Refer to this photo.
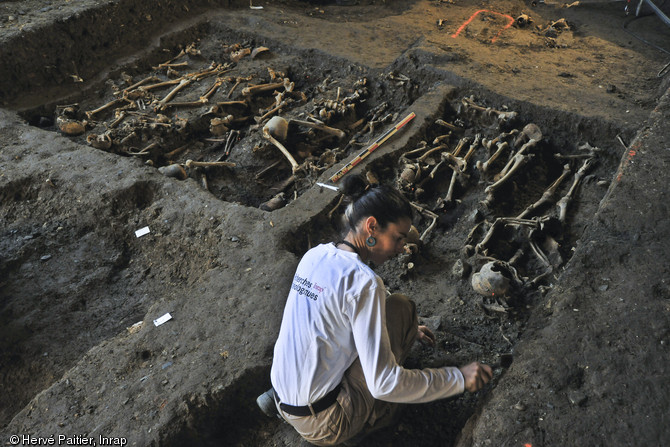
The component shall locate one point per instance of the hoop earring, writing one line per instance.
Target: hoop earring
(371, 241)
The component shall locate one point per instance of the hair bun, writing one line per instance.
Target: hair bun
(353, 186)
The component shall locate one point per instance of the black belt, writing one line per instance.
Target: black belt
(311, 410)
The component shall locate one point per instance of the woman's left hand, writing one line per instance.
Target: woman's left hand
(425, 335)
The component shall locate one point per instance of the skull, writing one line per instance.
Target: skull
(490, 280)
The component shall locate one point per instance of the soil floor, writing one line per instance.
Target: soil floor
(583, 300)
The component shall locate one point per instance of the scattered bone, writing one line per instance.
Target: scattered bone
(209, 164)
(173, 170)
(238, 80)
(511, 162)
(142, 152)
(518, 161)
(488, 144)
(278, 201)
(461, 144)
(120, 115)
(319, 126)
(501, 117)
(431, 215)
(442, 139)
(102, 141)
(547, 194)
(219, 126)
(563, 203)
(484, 167)
(447, 125)
(588, 152)
(70, 127)
(183, 83)
(261, 88)
(258, 51)
(190, 50)
(235, 56)
(430, 152)
(275, 125)
(523, 20)
(530, 131)
(170, 155)
(104, 107)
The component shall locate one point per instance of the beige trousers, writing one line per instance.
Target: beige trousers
(356, 412)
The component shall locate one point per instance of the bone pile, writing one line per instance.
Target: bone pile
(191, 109)
(484, 158)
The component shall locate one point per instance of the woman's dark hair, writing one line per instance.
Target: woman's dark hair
(386, 204)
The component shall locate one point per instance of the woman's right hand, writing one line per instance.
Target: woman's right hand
(476, 376)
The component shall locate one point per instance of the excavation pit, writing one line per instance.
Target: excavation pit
(201, 113)
(222, 269)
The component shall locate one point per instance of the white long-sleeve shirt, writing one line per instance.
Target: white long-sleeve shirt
(335, 312)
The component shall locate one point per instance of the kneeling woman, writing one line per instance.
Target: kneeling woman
(337, 371)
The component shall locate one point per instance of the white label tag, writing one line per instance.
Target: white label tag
(163, 319)
(142, 232)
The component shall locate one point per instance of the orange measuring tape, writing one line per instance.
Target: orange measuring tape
(378, 142)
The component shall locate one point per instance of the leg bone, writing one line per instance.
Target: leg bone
(547, 194)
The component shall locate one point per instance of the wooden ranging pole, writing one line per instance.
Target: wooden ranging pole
(378, 142)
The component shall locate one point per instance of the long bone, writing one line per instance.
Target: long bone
(530, 131)
(261, 88)
(459, 170)
(430, 214)
(204, 99)
(511, 162)
(442, 139)
(459, 147)
(430, 152)
(284, 123)
(563, 203)
(500, 116)
(447, 125)
(140, 83)
(276, 127)
(519, 160)
(505, 221)
(547, 194)
(483, 167)
(162, 103)
(488, 144)
(206, 164)
(110, 104)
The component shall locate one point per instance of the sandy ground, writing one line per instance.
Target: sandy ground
(80, 355)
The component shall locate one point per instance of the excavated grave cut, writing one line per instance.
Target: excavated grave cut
(193, 102)
(472, 326)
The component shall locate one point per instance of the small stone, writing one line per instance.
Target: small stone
(433, 323)
(45, 258)
(461, 269)
(11, 18)
(603, 288)
(577, 398)
(519, 406)
(234, 239)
